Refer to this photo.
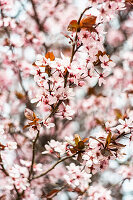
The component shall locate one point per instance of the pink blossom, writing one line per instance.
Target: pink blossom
(55, 146)
(101, 79)
(99, 192)
(48, 123)
(106, 63)
(126, 172)
(77, 178)
(125, 125)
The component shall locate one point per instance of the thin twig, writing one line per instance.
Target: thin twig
(33, 155)
(73, 46)
(39, 24)
(53, 166)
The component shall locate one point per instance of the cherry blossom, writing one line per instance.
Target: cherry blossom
(66, 99)
(125, 125)
(106, 63)
(77, 178)
(126, 172)
(55, 146)
(99, 192)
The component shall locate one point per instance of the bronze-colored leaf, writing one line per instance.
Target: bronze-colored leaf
(77, 139)
(88, 22)
(108, 139)
(117, 145)
(19, 95)
(81, 145)
(102, 138)
(118, 113)
(85, 140)
(2, 147)
(73, 26)
(29, 114)
(106, 152)
(50, 55)
(129, 1)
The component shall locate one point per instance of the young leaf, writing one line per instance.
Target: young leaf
(73, 26)
(108, 139)
(29, 114)
(81, 145)
(88, 22)
(77, 139)
(50, 55)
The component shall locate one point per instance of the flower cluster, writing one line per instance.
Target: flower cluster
(77, 178)
(55, 147)
(19, 176)
(93, 158)
(99, 192)
(4, 143)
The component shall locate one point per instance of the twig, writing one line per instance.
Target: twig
(73, 46)
(33, 154)
(39, 24)
(62, 188)
(83, 13)
(55, 109)
(53, 166)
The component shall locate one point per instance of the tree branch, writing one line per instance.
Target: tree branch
(39, 24)
(73, 46)
(53, 166)
(33, 154)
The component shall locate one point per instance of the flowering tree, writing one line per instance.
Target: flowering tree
(66, 117)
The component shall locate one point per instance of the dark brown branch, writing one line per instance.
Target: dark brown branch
(33, 155)
(83, 14)
(36, 15)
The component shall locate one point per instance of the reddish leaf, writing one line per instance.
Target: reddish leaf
(106, 152)
(52, 193)
(118, 145)
(19, 95)
(26, 126)
(85, 140)
(34, 64)
(88, 22)
(73, 150)
(96, 140)
(77, 139)
(129, 1)
(102, 138)
(118, 113)
(73, 26)
(108, 139)
(81, 145)
(2, 147)
(50, 55)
